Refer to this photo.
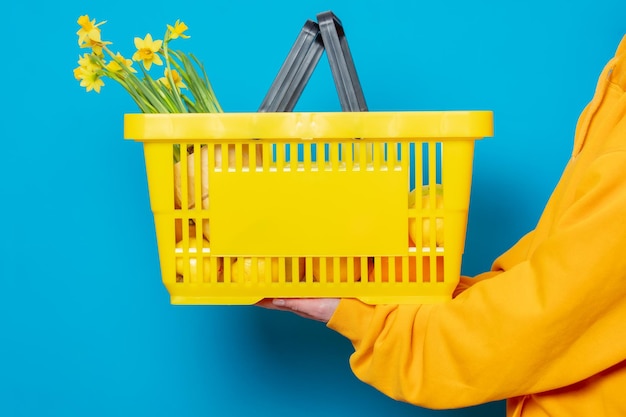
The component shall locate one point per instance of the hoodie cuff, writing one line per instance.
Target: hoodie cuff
(351, 318)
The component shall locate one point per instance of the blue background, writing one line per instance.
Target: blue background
(86, 325)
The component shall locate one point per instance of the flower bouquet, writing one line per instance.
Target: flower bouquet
(183, 87)
(162, 95)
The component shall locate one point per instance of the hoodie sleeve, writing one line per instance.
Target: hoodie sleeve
(544, 321)
(504, 262)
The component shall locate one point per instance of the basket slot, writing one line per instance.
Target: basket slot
(193, 262)
(184, 181)
(307, 156)
(407, 269)
(428, 162)
(321, 154)
(334, 270)
(293, 156)
(336, 155)
(199, 187)
(263, 270)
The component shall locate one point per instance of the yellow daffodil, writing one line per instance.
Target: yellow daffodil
(177, 30)
(88, 29)
(95, 45)
(89, 35)
(86, 61)
(115, 64)
(176, 78)
(91, 80)
(78, 73)
(147, 51)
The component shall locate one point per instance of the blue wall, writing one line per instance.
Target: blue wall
(86, 326)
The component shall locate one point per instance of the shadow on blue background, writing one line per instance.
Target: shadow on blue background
(86, 325)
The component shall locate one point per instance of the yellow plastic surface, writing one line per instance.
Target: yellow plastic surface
(309, 204)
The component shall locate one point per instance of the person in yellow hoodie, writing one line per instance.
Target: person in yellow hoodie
(545, 329)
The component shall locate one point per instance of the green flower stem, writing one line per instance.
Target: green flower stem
(214, 105)
(200, 89)
(170, 77)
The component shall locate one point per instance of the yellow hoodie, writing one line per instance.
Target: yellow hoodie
(546, 328)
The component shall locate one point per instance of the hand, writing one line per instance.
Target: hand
(320, 309)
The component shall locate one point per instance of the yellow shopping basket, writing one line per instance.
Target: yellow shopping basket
(310, 204)
(371, 205)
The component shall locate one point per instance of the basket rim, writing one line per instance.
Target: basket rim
(310, 126)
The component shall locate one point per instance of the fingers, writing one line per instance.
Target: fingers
(320, 309)
(266, 303)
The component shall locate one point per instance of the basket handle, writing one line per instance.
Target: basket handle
(295, 71)
(341, 63)
(302, 59)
